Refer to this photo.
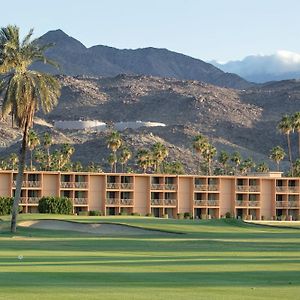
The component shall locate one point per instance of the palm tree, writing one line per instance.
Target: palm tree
(247, 165)
(144, 159)
(199, 143)
(277, 154)
(285, 126)
(296, 167)
(208, 153)
(114, 142)
(47, 142)
(24, 90)
(125, 156)
(236, 158)
(223, 159)
(296, 125)
(33, 142)
(159, 153)
(14, 160)
(262, 167)
(112, 160)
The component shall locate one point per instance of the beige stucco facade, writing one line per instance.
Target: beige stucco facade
(257, 196)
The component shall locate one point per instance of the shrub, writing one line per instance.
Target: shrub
(6, 204)
(165, 216)
(55, 205)
(149, 215)
(228, 215)
(180, 216)
(135, 214)
(83, 213)
(123, 213)
(187, 215)
(94, 213)
(203, 217)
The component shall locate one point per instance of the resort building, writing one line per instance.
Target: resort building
(257, 196)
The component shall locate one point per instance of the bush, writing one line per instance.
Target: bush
(135, 214)
(6, 204)
(228, 215)
(94, 213)
(123, 213)
(187, 215)
(180, 216)
(55, 205)
(83, 213)
(165, 216)
(149, 215)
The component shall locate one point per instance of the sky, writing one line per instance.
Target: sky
(213, 29)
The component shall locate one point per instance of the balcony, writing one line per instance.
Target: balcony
(292, 189)
(33, 200)
(253, 188)
(170, 202)
(170, 187)
(127, 186)
(112, 201)
(241, 203)
(163, 202)
(126, 202)
(253, 203)
(282, 204)
(200, 202)
(157, 202)
(112, 185)
(23, 200)
(80, 201)
(281, 189)
(81, 185)
(213, 202)
(200, 187)
(67, 185)
(157, 186)
(242, 188)
(213, 187)
(14, 183)
(292, 204)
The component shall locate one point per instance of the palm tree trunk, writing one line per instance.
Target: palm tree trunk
(278, 169)
(19, 181)
(48, 159)
(290, 153)
(30, 160)
(299, 143)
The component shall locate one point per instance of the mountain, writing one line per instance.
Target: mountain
(262, 68)
(233, 120)
(75, 59)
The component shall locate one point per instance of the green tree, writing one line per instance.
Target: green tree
(144, 159)
(24, 90)
(47, 142)
(296, 126)
(159, 154)
(199, 143)
(112, 160)
(285, 126)
(114, 142)
(277, 154)
(223, 160)
(262, 167)
(33, 142)
(124, 158)
(208, 153)
(296, 167)
(236, 158)
(14, 160)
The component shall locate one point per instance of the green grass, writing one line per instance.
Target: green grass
(213, 259)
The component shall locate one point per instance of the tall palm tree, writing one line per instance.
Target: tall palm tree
(199, 143)
(223, 160)
(124, 158)
(159, 153)
(277, 154)
(47, 142)
(285, 126)
(24, 90)
(208, 153)
(14, 160)
(262, 167)
(296, 125)
(114, 142)
(33, 142)
(144, 159)
(112, 160)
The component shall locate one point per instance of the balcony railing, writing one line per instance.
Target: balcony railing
(112, 201)
(213, 187)
(170, 187)
(253, 203)
(67, 184)
(254, 188)
(241, 203)
(200, 202)
(293, 189)
(112, 185)
(157, 186)
(80, 201)
(170, 202)
(33, 200)
(281, 189)
(283, 204)
(23, 200)
(24, 183)
(200, 187)
(213, 202)
(242, 188)
(293, 203)
(126, 201)
(127, 186)
(81, 185)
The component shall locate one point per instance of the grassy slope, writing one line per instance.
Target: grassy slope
(216, 259)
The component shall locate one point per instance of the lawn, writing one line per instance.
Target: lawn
(213, 259)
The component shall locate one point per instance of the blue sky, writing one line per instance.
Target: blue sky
(212, 29)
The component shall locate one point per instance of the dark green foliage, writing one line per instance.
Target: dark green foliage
(5, 205)
(187, 215)
(180, 216)
(135, 214)
(55, 205)
(94, 213)
(228, 215)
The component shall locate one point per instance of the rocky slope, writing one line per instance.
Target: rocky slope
(233, 120)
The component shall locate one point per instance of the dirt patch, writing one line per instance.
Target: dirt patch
(94, 228)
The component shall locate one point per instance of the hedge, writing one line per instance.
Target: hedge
(6, 204)
(55, 205)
